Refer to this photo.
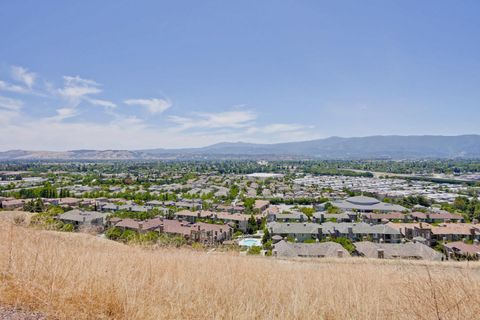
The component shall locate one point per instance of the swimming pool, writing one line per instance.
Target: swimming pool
(250, 242)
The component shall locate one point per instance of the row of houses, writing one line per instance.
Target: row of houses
(13, 204)
(198, 232)
(194, 231)
(301, 232)
(368, 217)
(431, 235)
(367, 249)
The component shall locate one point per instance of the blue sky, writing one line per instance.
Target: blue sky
(146, 74)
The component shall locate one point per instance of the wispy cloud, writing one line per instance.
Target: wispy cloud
(60, 126)
(283, 127)
(64, 113)
(102, 103)
(9, 109)
(10, 104)
(76, 88)
(153, 105)
(23, 76)
(5, 86)
(227, 119)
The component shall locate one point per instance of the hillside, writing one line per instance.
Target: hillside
(373, 147)
(78, 276)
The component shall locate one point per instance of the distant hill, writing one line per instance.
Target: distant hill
(373, 147)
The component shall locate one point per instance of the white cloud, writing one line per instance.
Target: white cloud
(284, 127)
(10, 104)
(24, 76)
(153, 105)
(64, 113)
(5, 86)
(227, 119)
(9, 109)
(102, 103)
(76, 88)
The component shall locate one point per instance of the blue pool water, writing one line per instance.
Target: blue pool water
(250, 242)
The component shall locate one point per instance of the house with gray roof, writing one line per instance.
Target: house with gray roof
(322, 216)
(109, 207)
(353, 231)
(309, 250)
(409, 250)
(360, 231)
(286, 217)
(367, 204)
(299, 231)
(83, 218)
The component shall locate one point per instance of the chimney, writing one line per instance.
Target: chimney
(320, 233)
(339, 253)
(380, 253)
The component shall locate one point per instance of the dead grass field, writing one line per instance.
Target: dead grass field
(78, 276)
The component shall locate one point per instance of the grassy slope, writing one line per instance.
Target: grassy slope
(77, 276)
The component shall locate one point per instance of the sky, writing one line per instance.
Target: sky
(115, 74)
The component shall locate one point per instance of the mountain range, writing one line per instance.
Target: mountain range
(372, 147)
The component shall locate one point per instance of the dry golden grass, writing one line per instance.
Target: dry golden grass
(77, 276)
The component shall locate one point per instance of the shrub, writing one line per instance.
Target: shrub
(291, 239)
(268, 245)
(346, 243)
(254, 250)
(237, 234)
(149, 237)
(113, 233)
(128, 235)
(67, 227)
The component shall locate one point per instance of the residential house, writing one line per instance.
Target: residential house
(461, 250)
(296, 230)
(198, 232)
(309, 250)
(409, 250)
(79, 218)
(322, 216)
(431, 235)
(12, 204)
(287, 217)
(370, 217)
(69, 202)
(440, 217)
(261, 205)
(192, 216)
(361, 231)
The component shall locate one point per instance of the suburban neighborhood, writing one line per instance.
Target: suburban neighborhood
(283, 213)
